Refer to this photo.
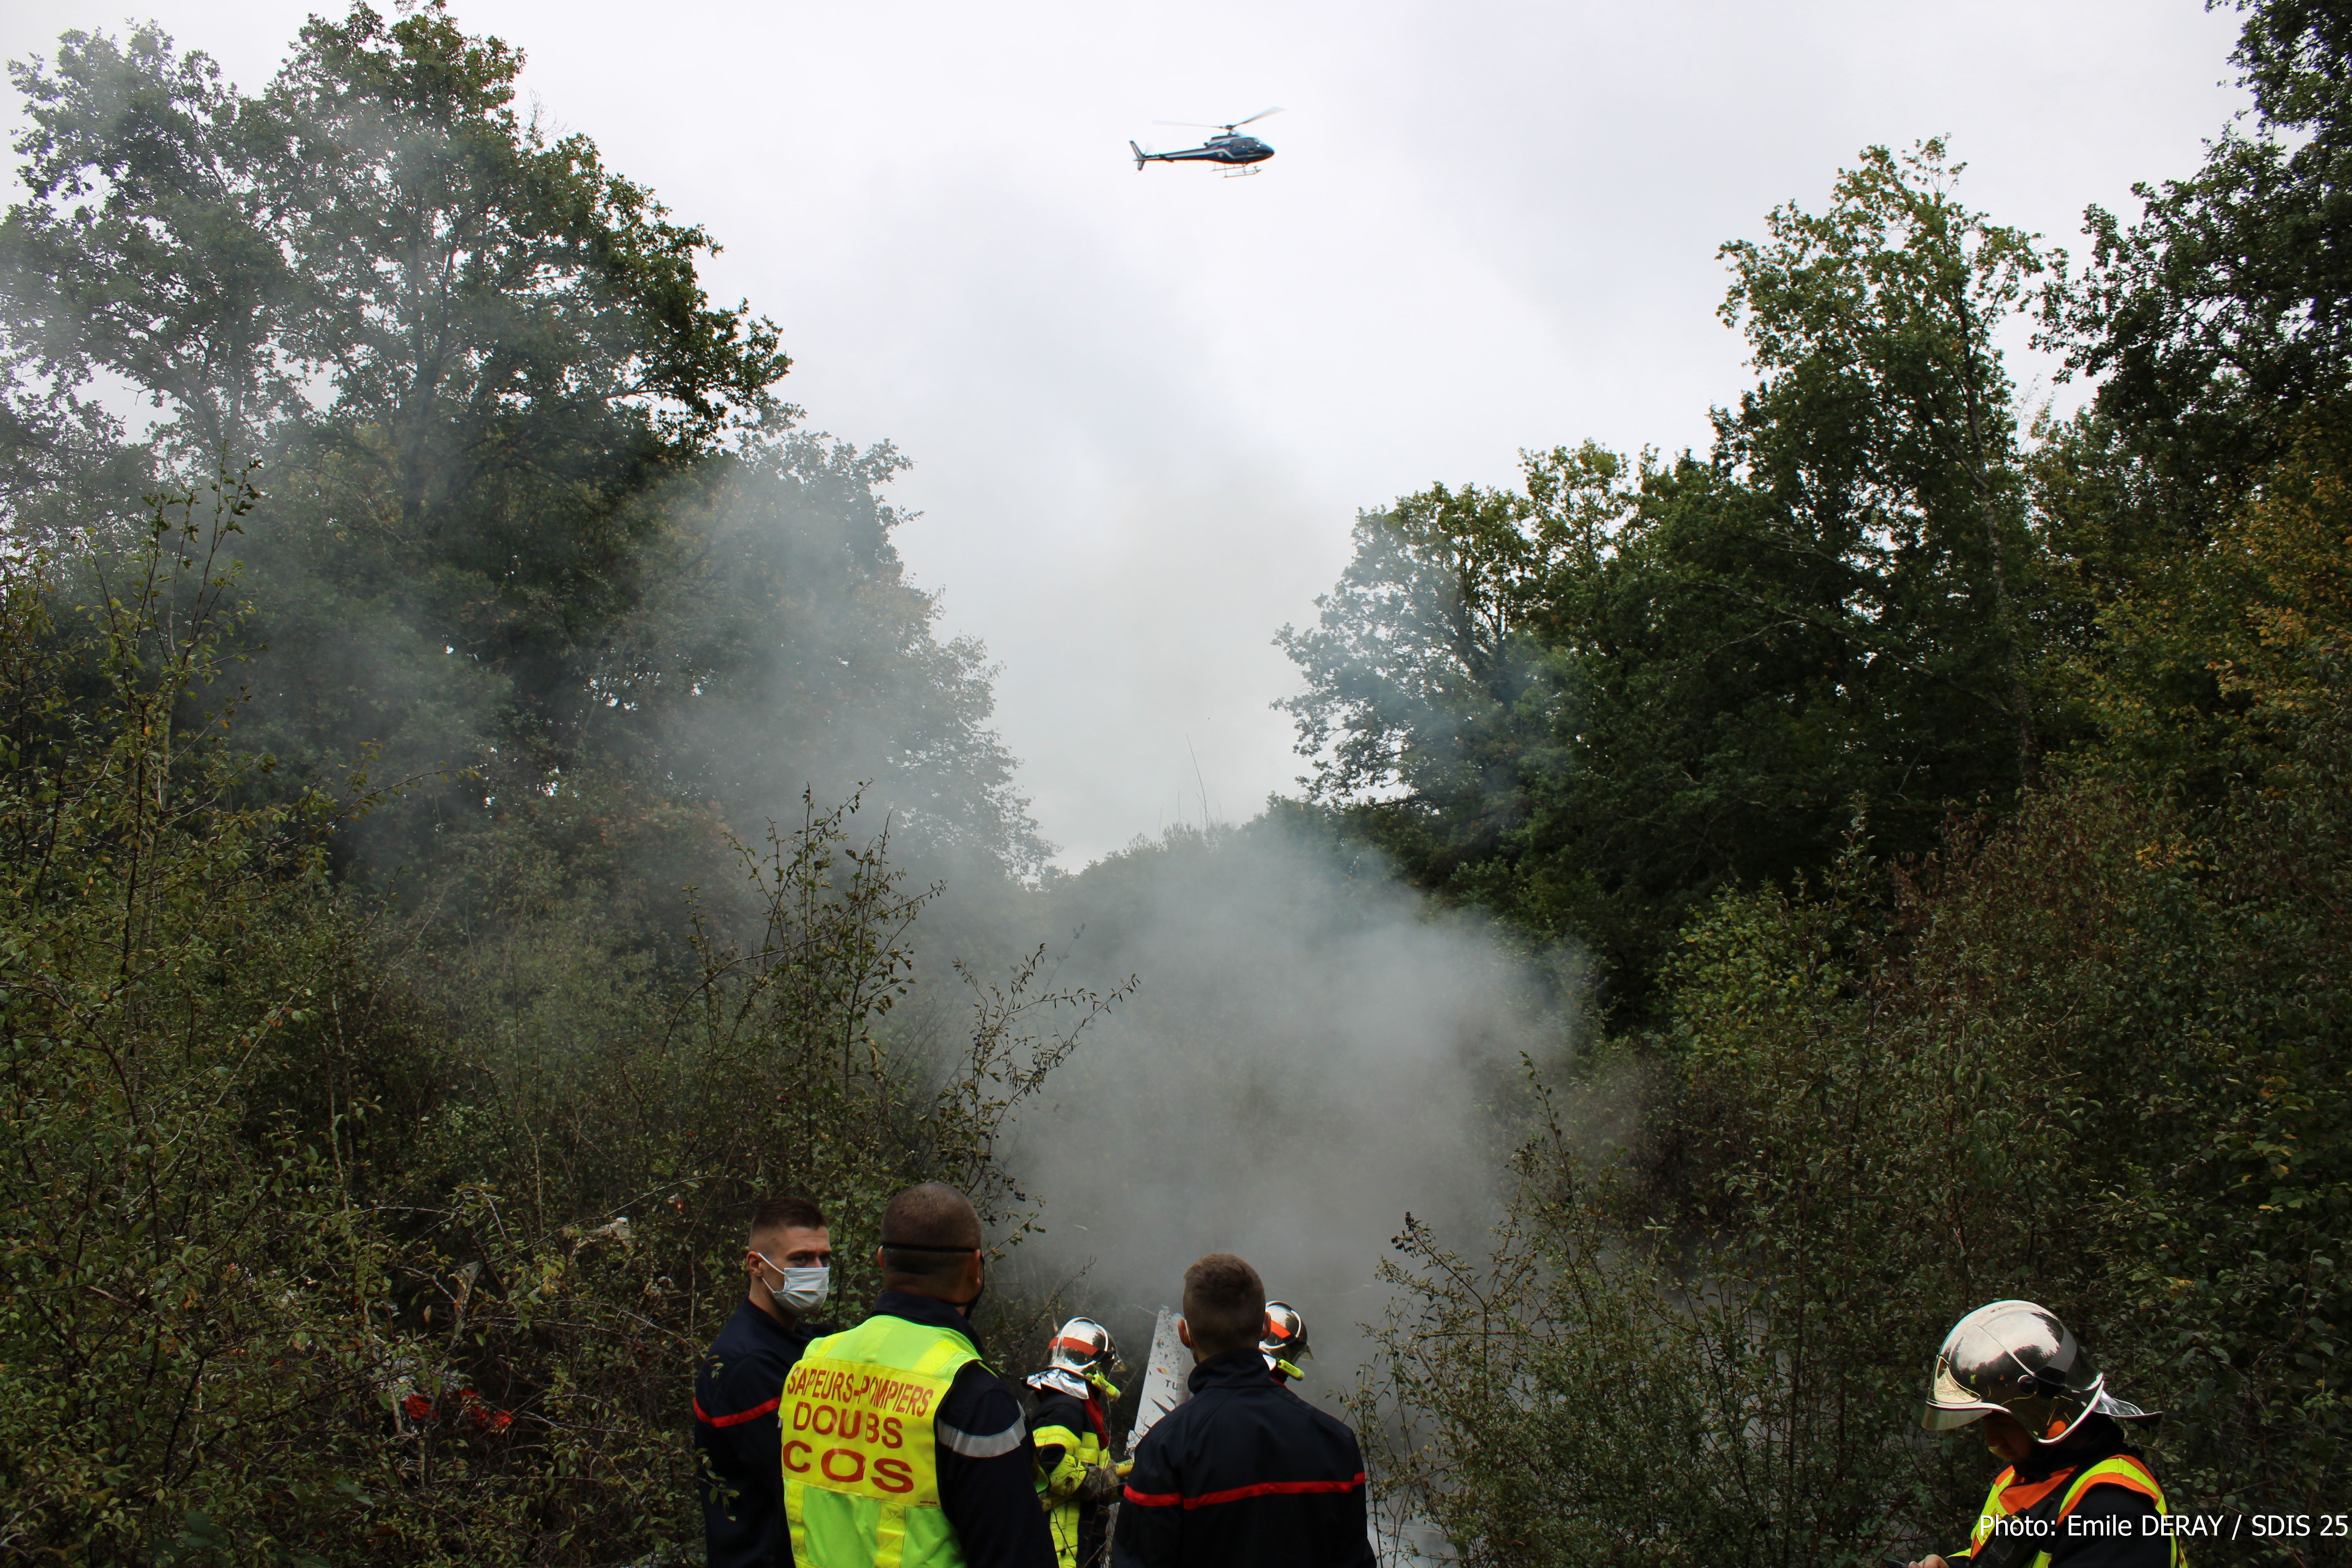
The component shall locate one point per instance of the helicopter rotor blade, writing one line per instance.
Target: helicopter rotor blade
(1220, 125)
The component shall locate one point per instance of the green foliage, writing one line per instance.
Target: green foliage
(2085, 1044)
(183, 1289)
(398, 1025)
(536, 515)
(2096, 1061)
(1882, 428)
(2219, 315)
(488, 305)
(176, 276)
(1591, 703)
(323, 1226)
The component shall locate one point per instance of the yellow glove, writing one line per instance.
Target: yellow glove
(1068, 1476)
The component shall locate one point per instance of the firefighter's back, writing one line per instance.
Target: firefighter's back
(1244, 1474)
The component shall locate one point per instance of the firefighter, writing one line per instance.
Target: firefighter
(788, 1261)
(1284, 1343)
(1244, 1474)
(901, 1448)
(2073, 1494)
(1072, 1436)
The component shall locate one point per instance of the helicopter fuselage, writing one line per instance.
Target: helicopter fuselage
(1233, 149)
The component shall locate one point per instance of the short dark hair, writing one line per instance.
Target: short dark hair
(927, 1231)
(1224, 1302)
(773, 1215)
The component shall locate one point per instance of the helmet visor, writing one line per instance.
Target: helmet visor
(1950, 1403)
(1938, 1418)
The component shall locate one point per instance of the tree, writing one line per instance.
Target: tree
(177, 277)
(517, 340)
(2225, 312)
(1592, 703)
(537, 516)
(1884, 429)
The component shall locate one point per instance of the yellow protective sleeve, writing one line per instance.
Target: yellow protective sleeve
(1063, 1479)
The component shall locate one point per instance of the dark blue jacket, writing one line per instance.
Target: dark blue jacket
(1244, 1474)
(739, 1471)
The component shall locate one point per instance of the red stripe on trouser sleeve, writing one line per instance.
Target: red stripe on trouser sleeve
(1275, 1488)
(1263, 1489)
(740, 1417)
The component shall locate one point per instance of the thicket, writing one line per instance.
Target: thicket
(405, 988)
(323, 1240)
(1960, 796)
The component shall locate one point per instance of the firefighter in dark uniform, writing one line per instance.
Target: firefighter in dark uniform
(1284, 1343)
(1244, 1474)
(1071, 1434)
(901, 1448)
(789, 1259)
(2074, 1494)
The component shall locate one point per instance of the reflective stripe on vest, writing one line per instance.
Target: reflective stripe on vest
(860, 1455)
(2120, 1469)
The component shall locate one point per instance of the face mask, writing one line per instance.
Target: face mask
(803, 1289)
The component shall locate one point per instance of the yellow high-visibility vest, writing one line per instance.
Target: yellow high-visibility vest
(860, 1457)
(2121, 1470)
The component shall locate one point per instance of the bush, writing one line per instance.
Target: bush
(330, 1229)
(2097, 1062)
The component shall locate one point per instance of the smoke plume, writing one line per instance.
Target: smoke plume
(1312, 1052)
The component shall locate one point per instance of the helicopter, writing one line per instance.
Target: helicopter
(1229, 148)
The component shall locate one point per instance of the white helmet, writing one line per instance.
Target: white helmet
(2017, 1359)
(1284, 1338)
(1081, 1353)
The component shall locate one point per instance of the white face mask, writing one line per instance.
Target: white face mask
(803, 1288)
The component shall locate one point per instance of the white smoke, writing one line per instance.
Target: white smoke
(1313, 1054)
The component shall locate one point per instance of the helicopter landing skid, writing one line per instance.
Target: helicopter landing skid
(1241, 173)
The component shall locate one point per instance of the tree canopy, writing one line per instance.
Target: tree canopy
(1597, 700)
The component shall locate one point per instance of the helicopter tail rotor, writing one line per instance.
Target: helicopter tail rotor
(1138, 156)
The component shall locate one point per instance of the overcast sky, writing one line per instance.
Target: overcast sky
(1145, 407)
